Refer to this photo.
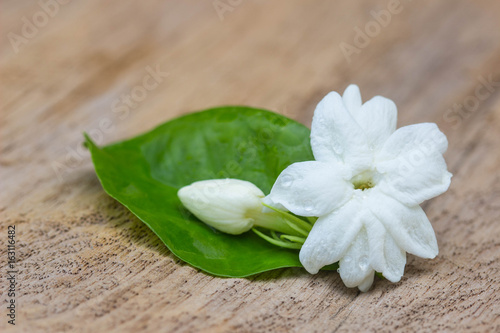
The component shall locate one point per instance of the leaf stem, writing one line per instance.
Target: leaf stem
(281, 243)
(294, 239)
(292, 218)
(297, 228)
(292, 230)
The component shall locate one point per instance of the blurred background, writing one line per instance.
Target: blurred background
(115, 69)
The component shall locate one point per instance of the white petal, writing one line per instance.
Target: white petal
(367, 282)
(412, 162)
(424, 137)
(385, 255)
(352, 99)
(414, 177)
(354, 266)
(310, 188)
(330, 237)
(409, 226)
(395, 260)
(377, 118)
(335, 135)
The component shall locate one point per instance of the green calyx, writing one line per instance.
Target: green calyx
(292, 232)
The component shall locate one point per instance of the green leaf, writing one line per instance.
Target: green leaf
(145, 173)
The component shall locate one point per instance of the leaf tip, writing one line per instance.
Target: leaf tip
(88, 143)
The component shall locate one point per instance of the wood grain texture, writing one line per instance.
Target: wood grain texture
(88, 265)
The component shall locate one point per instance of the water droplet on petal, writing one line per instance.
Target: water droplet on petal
(363, 263)
(308, 206)
(336, 145)
(286, 180)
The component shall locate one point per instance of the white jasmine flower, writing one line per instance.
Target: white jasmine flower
(232, 206)
(365, 185)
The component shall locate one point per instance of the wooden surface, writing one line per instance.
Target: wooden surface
(87, 264)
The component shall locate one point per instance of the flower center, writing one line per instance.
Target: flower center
(365, 180)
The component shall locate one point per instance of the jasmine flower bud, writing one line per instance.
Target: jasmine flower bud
(232, 206)
(229, 205)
